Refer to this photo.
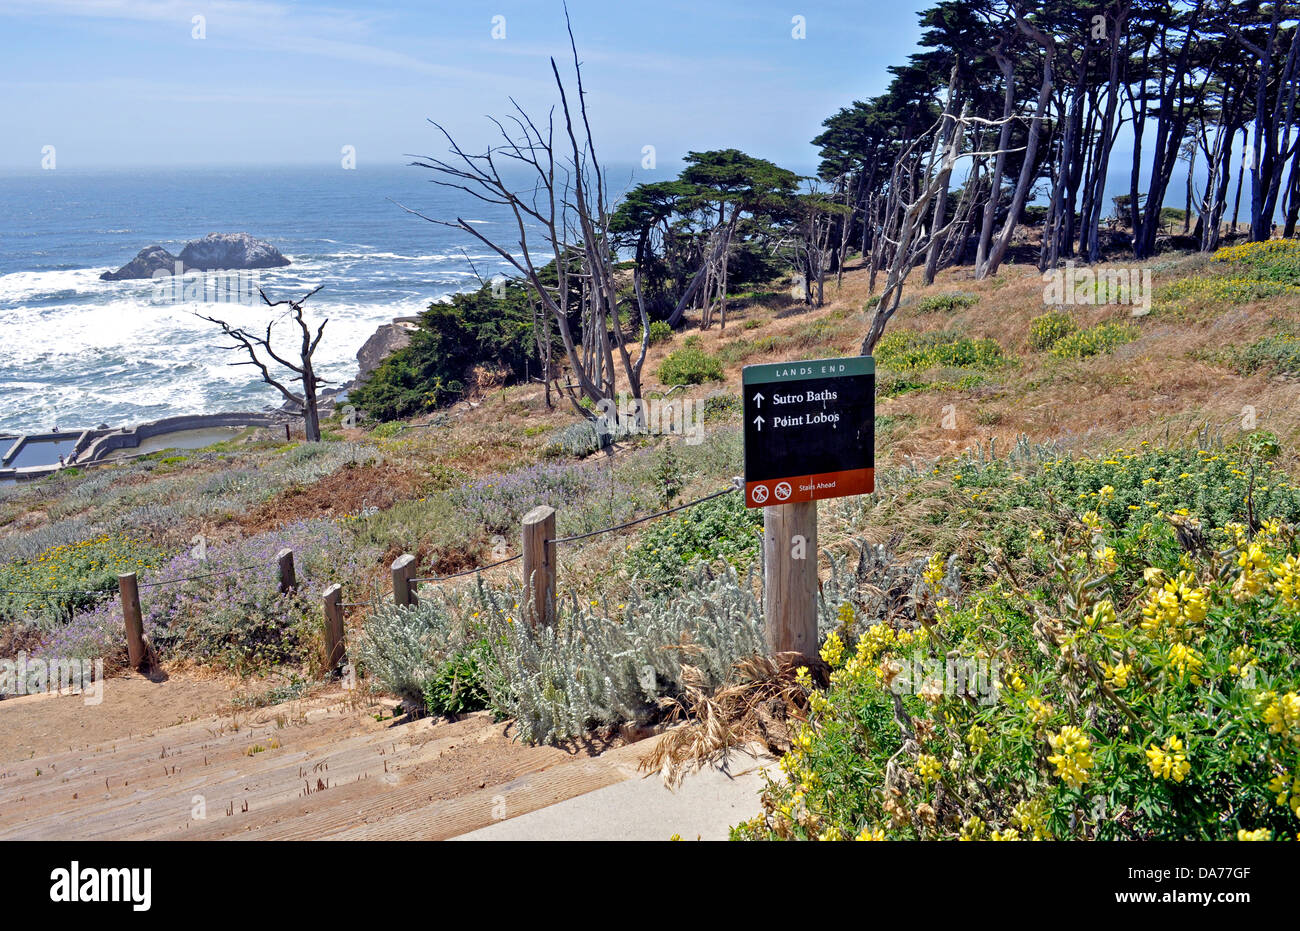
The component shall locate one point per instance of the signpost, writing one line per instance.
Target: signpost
(809, 434)
(810, 430)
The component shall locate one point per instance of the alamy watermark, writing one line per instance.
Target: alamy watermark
(193, 286)
(972, 678)
(655, 417)
(1083, 285)
(64, 675)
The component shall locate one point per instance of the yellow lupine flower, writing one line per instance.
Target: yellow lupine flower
(1117, 675)
(973, 829)
(1039, 711)
(1173, 605)
(934, 572)
(928, 767)
(1168, 762)
(1073, 756)
(833, 650)
(1260, 834)
(1186, 661)
(1282, 713)
(1287, 586)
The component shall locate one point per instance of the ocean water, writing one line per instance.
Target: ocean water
(76, 351)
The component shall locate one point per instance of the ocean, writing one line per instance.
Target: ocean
(77, 352)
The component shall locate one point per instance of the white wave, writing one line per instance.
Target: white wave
(24, 286)
(431, 257)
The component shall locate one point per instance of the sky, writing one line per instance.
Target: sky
(180, 83)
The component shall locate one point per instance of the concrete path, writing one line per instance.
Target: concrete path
(704, 807)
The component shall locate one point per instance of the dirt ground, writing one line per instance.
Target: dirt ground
(175, 759)
(351, 490)
(34, 725)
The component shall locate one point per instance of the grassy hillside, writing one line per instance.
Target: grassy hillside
(1001, 424)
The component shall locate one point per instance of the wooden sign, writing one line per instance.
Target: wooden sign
(810, 430)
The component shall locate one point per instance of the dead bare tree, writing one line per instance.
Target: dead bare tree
(560, 213)
(304, 372)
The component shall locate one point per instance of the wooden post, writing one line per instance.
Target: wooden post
(333, 599)
(403, 571)
(136, 650)
(790, 577)
(539, 564)
(288, 574)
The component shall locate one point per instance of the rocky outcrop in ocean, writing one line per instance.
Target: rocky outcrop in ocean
(215, 251)
(147, 261)
(230, 250)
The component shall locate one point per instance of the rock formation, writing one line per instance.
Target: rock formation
(230, 250)
(383, 342)
(215, 251)
(147, 261)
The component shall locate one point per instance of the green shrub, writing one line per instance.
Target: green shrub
(690, 365)
(387, 430)
(473, 328)
(1046, 330)
(1102, 338)
(1085, 709)
(720, 406)
(1276, 260)
(1246, 272)
(1134, 677)
(716, 531)
(909, 351)
(660, 331)
(458, 686)
(71, 576)
(1274, 355)
(946, 303)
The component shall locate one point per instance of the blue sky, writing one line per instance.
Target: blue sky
(123, 83)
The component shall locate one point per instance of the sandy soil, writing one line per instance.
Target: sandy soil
(35, 725)
(175, 759)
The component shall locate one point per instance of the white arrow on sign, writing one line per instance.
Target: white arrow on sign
(758, 400)
(759, 421)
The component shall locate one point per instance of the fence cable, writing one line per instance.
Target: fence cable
(195, 578)
(642, 520)
(105, 591)
(735, 485)
(456, 575)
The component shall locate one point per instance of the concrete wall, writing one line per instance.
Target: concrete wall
(93, 445)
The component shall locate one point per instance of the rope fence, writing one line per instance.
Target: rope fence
(642, 520)
(457, 575)
(157, 584)
(537, 554)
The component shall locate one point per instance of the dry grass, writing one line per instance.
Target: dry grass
(761, 705)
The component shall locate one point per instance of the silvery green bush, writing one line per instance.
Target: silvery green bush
(598, 666)
(404, 646)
